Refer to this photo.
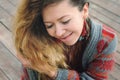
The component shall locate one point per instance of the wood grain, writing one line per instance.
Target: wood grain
(103, 11)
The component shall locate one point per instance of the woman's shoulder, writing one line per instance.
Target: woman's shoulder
(108, 41)
(108, 33)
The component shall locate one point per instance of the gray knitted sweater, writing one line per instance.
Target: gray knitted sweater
(98, 58)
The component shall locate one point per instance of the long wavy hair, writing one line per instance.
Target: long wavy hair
(32, 40)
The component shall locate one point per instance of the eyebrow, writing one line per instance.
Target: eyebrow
(57, 19)
(62, 17)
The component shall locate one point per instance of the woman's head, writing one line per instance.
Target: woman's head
(32, 40)
(64, 19)
(31, 36)
(78, 3)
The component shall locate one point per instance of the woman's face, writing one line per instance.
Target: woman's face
(64, 22)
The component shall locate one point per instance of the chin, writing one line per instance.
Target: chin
(70, 44)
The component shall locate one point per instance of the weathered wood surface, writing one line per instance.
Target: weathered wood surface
(108, 12)
(103, 11)
(10, 67)
(3, 76)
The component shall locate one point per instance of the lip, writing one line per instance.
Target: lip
(66, 37)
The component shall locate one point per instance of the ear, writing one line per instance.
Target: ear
(85, 10)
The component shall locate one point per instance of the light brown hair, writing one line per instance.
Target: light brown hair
(32, 40)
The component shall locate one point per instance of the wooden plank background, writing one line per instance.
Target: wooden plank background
(103, 11)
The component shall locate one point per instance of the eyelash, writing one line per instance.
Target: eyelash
(65, 22)
(49, 26)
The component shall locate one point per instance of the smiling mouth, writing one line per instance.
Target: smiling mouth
(66, 37)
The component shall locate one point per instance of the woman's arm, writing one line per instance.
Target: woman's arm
(102, 63)
(99, 67)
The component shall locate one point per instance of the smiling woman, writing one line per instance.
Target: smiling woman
(57, 40)
(63, 24)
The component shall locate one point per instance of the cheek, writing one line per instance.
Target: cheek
(78, 21)
(50, 32)
(77, 24)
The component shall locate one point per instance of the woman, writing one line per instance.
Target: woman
(90, 46)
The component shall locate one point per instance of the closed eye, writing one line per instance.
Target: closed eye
(65, 22)
(50, 26)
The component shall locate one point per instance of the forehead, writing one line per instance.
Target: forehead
(58, 10)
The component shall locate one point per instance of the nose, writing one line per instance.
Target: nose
(59, 31)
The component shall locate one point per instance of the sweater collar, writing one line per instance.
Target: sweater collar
(85, 31)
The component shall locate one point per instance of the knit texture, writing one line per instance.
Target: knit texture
(98, 58)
